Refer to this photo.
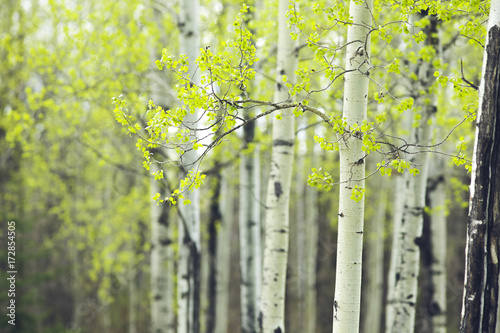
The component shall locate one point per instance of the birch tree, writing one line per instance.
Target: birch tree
(162, 313)
(374, 249)
(480, 297)
(407, 261)
(311, 247)
(346, 307)
(250, 244)
(437, 197)
(162, 253)
(250, 222)
(278, 187)
(223, 255)
(188, 285)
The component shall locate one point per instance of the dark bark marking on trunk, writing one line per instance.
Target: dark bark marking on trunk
(248, 133)
(283, 143)
(277, 189)
(165, 242)
(419, 242)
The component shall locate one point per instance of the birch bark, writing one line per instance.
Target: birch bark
(224, 254)
(161, 308)
(480, 297)
(278, 189)
(162, 255)
(407, 259)
(346, 306)
(311, 245)
(188, 285)
(437, 200)
(373, 298)
(250, 240)
(250, 216)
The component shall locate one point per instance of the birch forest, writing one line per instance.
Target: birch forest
(258, 166)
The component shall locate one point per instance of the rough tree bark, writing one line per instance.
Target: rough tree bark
(480, 297)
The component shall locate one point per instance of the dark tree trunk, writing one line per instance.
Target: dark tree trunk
(213, 224)
(480, 299)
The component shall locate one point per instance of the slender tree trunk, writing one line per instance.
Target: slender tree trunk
(346, 306)
(162, 253)
(250, 238)
(214, 225)
(295, 283)
(398, 200)
(311, 245)
(373, 297)
(480, 298)
(250, 221)
(188, 281)
(75, 252)
(161, 307)
(278, 189)
(132, 290)
(224, 253)
(407, 260)
(437, 200)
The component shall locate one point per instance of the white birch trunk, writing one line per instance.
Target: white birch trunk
(398, 201)
(188, 284)
(250, 240)
(224, 254)
(311, 246)
(296, 283)
(161, 308)
(278, 189)
(162, 253)
(346, 307)
(437, 199)
(373, 298)
(250, 226)
(407, 259)
(407, 262)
